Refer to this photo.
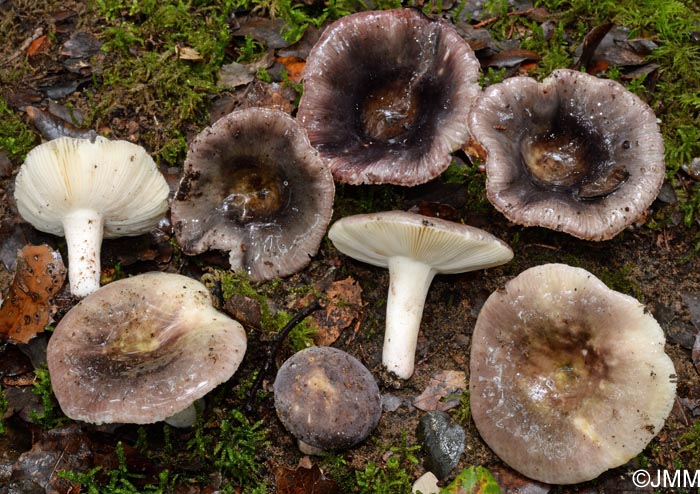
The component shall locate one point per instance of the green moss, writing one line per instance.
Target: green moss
(396, 477)
(621, 281)
(16, 138)
(3, 409)
(463, 412)
(690, 442)
(48, 416)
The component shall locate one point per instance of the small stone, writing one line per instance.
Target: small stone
(426, 484)
(442, 441)
(390, 402)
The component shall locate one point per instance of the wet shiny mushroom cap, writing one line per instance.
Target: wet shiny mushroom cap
(254, 187)
(386, 96)
(574, 153)
(326, 399)
(141, 349)
(568, 378)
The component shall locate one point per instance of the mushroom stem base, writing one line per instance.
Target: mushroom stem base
(83, 229)
(408, 287)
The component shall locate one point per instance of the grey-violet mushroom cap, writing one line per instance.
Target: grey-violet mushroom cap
(326, 399)
(142, 349)
(85, 189)
(414, 248)
(254, 187)
(574, 153)
(387, 95)
(568, 378)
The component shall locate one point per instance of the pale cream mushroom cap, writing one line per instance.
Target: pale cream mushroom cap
(568, 378)
(142, 349)
(85, 189)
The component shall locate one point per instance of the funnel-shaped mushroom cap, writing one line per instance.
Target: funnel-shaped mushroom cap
(574, 153)
(254, 186)
(447, 247)
(327, 399)
(118, 179)
(414, 248)
(141, 349)
(86, 190)
(387, 95)
(568, 377)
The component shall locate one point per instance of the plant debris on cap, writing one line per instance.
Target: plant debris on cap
(574, 153)
(568, 378)
(326, 399)
(387, 95)
(415, 248)
(85, 189)
(253, 186)
(141, 349)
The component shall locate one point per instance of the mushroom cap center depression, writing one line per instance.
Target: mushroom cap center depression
(389, 111)
(569, 156)
(255, 193)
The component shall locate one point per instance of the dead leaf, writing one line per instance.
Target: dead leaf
(343, 309)
(39, 46)
(511, 58)
(236, 74)
(294, 67)
(514, 483)
(187, 53)
(590, 44)
(442, 385)
(303, 481)
(26, 311)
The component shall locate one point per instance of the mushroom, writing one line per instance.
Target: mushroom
(387, 95)
(142, 349)
(85, 189)
(415, 248)
(568, 377)
(574, 153)
(326, 399)
(254, 186)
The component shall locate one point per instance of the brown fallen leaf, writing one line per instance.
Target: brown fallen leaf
(294, 67)
(303, 480)
(512, 482)
(442, 385)
(39, 46)
(26, 310)
(343, 310)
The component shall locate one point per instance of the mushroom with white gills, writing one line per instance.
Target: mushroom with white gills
(142, 349)
(87, 189)
(387, 96)
(254, 187)
(326, 399)
(415, 248)
(568, 378)
(574, 153)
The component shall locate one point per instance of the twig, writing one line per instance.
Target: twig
(274, 351)
(491, 20)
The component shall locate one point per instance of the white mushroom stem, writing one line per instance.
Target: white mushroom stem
(83, 229)
(409, 281)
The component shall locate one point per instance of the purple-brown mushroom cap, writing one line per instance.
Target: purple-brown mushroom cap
(254, 187)
(142, 349)
(568, 378)
(326, 399)
(387, 95)
(573, 153)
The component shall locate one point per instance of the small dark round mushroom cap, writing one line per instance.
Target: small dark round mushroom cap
(326, 399)
(387, 95)
(574, 153)
(254, 186)
(141, 349)
(568, 378)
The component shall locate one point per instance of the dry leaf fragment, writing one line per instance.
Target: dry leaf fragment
(187, 53)
(343, 309)
(303, 481)
(26, 310)
(442, 385)
(38, 46)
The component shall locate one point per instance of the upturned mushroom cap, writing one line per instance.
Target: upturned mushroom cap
(326, 399)
(574, 153)
(386, 96)
(85, 189)
(415, 248)
(141, 349)
(568, 377)
(254, 187)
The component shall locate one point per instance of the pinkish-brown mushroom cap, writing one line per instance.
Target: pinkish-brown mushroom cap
(142, 349)
(574, 153)
(254, 187)
(568, 378)
(386, 96)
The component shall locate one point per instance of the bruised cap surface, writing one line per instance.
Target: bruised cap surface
(574, 153)
(568, 378)
(326, 398)
(254, 187)
(386, 96)
(141, 349)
